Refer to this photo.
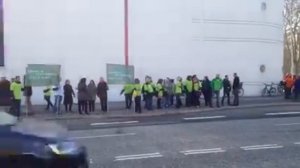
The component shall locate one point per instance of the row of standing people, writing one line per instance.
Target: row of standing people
(192, 88)
(164, 90)
(86, 96)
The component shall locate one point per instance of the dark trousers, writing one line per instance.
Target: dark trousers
(16, 108)
(235, 97)
(158, 103)
(296, 94)
(195, 98)
(188, 99)
(91, 105)
(149, 101)
(138, 105)
(128, 100)
(217, 93)
(82, 106)
(178, 101)
(49, 103)
(68, 107)
(207, 98)
(171, 100)
(288, 92)
(103, 102)
(226, 94)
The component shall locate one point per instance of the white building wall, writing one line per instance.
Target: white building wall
(206, 37)
(167, 38)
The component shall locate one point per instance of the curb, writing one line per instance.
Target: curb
(187, 111)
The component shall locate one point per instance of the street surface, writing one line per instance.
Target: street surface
(267, 137)
(261, 133)
(205, 116)
(272, 143)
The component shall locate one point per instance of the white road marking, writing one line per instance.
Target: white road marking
(267, 147)
(254, 146)
(297, 143)
(203, 151)
(283, 113)
(287, 124)
(204, 118)
(103, 136)
(260, 147)
(114, 123)
(139, 156)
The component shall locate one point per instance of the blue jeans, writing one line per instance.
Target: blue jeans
(167, 101)
(58, 100)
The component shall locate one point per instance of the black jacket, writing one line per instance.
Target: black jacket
(27, 91)
(206, 86)
(226, 85)
(236, 83)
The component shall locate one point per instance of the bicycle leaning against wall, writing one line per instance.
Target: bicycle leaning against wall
(241, 90)
(280, 88)
(269, 90)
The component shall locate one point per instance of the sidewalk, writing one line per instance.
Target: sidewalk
(117, 109)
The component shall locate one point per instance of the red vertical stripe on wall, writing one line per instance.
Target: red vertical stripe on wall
(126, 45)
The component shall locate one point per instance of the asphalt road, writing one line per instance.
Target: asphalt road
(248, 143)
(255, 112)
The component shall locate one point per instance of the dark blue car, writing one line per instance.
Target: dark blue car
(29, 144)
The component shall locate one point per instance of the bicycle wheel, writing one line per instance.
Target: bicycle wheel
(264, 92)
(272, 92)
(280, 90)
(241, 92)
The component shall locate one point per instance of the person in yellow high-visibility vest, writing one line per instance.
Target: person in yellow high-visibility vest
(188, 89)
(16, 89)
(137, 96)
(160, 92)
(196, 91)
(47, 97)
(178, 92)
(148, 92)
(127, 90)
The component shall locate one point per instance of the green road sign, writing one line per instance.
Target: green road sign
(42, 74)
(119, 74)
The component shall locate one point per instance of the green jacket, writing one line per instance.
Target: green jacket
(128, 89)
(148, 88)
(197, 86)
(137, 90)
(189, 86)
(48, 91)
(178, 88)
(159, 89)
(217, 84)
(16, 88)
